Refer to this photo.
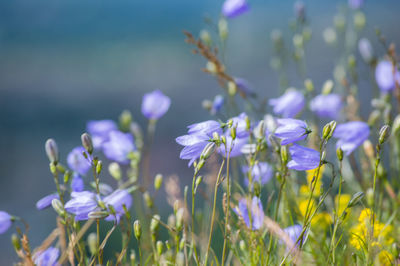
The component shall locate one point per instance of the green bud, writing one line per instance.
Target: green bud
(327, 87)
(298, 41)
(98, 214)
(216, 137)
(147, 199)
(52, 150)
(176, 206)
(155, 223)
(373, 117)
(257, 189)
(357, 197)
(233, 133)
(87, 142)
(99, 166)
(115, 171)
(207, 151)
(370, 196)
(396, 125)
(182, 244)
(125, 120)
(160, 247)
(137, 229)
(232, 88)
(384, 134)
(242, 245)
(15, 242)
(284, 154)
(223, 139)
(67, 176)
(307, 33)
(205, 37)
(223, 29)
(359, 20)
(167, 244)
(351, 60)
(58, 207)
(259, 131)
(92, 243)
(198, 182)
(327, 131)
(158, 181)
(179, 218)
(329, 35)
(308, 84)
(248, 123)
(340, 22)
(339, 154)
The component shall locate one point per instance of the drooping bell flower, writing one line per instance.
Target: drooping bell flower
(385, 76)
(244, 87)
(255, 209)
(291, 130)
(261, 173)
(303, 158)
(118, 147)
(326, 105)
(5, 221)
(99, 130)
(47, 257)
(77, 162)
(351, 135)
(289, 104)
(233, 8)
(45, 202)
(155, 104)
(81, 204)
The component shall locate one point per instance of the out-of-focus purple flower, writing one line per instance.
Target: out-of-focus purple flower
(256, 211)
(197, 139)
(356, 4)
(385, 76)
(294, 232)
(233, 8)
(261, 173)
(155, 104)
(81, 204)
(289, 104)
(234, 147)
(47, 257)
(5, 221)
(303, 158)
(291, 130)
(299, 10)
(240, 123)
(118, 199)
(45, 202)
(99, 130)
(244, 87)
(351, 135)
(326, 105)
(118, 146)
(77, 162)
(365, 49)
(217, 104)
(77, 184)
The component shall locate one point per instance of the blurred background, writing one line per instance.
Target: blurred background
(63, 63)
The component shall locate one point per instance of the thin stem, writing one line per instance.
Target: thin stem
(227, 208)
(193, 235)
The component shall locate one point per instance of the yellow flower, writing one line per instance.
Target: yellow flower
(365, 216)
(303, 206)
(386, 258)
(322, 220)
(343, 202)
(317, 182)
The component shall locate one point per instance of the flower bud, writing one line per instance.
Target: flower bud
(339, 154)
(198, 182)
(242, 245)
(307, 33)
(207, 151)
(125, 120)
(373, 117)
(160, 247)
(232, 88)
(329, 35)
(327, 87)
(257, 189)
(384, 134)
(369, 149)
(158, 181)
(98, 214)
(248, 123)
(67, 176)
(357, 197)
(207, 104)
(211, 67)
(308, 84)
(137, 229)
(87, 142)
(328, 130)
(205, 37)
(182, 244)
(179, 218)
(216, 137)
(171, 221)
(58, 207)
(370, 196)
(284, 154)
(99, 167)
(15, 242)
(115, 171)
(92, 243)
(396, 125)
(233, 133)
(223, 29)
(259, 131)
(52, 150)
(155, 223)
(359, 20)
(351, 60)
(298, 41)
(147, 199)
(340, 22)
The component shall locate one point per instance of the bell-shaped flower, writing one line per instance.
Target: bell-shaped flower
(244, 87)
(261, 172)
(289, 104)
(155, 104)
(326, 105)
(386, 76)
(254, 208)
(233, 8)
(118, 147)
(294, 233)
(77, 162)
(117, 200)
(99, 130)
(291, 130)
(81, 204)
(5, 221)
(303, 158)
(45, 202)
(351, 135)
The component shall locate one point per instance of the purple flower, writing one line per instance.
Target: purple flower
(233, 8)
(291, 130)
(118, 147)
(303, 158)
(356, 4)
(289, 104)
(235, 145)
(326, 105)
(244, 87)
(45, 202)
(47, 257)
(77, 184)
(81, 204)
(299, 10)
(5, 221)
(118, 199)
(365, 49)
(217, 104)
(351, 135)
(77, 162)
(294, 232)
(99, 131)
(155, 104)
(386, 77)
(256, 212)
(261, 173)
(197, 139)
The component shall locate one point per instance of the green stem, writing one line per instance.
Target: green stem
(226, 209)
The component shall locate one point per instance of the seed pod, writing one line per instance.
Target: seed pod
(147, 199)
(137, 229)
(179, 218)
(339, 154)
(87, 142)
(207, 151)
(52, 150)
(99, 167)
